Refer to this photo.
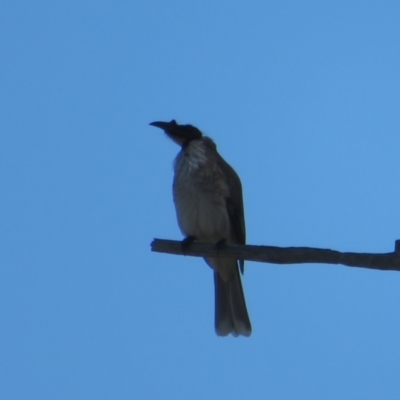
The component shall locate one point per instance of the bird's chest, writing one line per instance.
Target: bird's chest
(200, 194)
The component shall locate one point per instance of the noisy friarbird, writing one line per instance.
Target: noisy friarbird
(209, 206)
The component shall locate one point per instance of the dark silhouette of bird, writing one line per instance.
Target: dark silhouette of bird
(209, 207)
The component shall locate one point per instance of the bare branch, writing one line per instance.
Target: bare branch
(284, 255)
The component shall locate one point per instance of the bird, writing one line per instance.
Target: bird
(207, 194)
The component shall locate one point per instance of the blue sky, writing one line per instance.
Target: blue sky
(302, 99)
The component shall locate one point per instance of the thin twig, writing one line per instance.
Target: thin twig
(284, 255)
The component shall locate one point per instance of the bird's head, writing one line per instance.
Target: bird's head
(180, 134)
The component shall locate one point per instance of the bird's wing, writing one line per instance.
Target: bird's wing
(234, 204)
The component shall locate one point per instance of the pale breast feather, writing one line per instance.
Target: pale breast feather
(200, 195)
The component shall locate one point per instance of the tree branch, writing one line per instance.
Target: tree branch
(284, 255)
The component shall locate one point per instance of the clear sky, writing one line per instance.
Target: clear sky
(302, 99)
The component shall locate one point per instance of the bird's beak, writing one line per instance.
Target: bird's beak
(162, 125)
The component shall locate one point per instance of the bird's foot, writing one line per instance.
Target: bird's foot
(186, 243)
(220, 244)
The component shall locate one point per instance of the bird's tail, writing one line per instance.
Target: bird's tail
(231, 314)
